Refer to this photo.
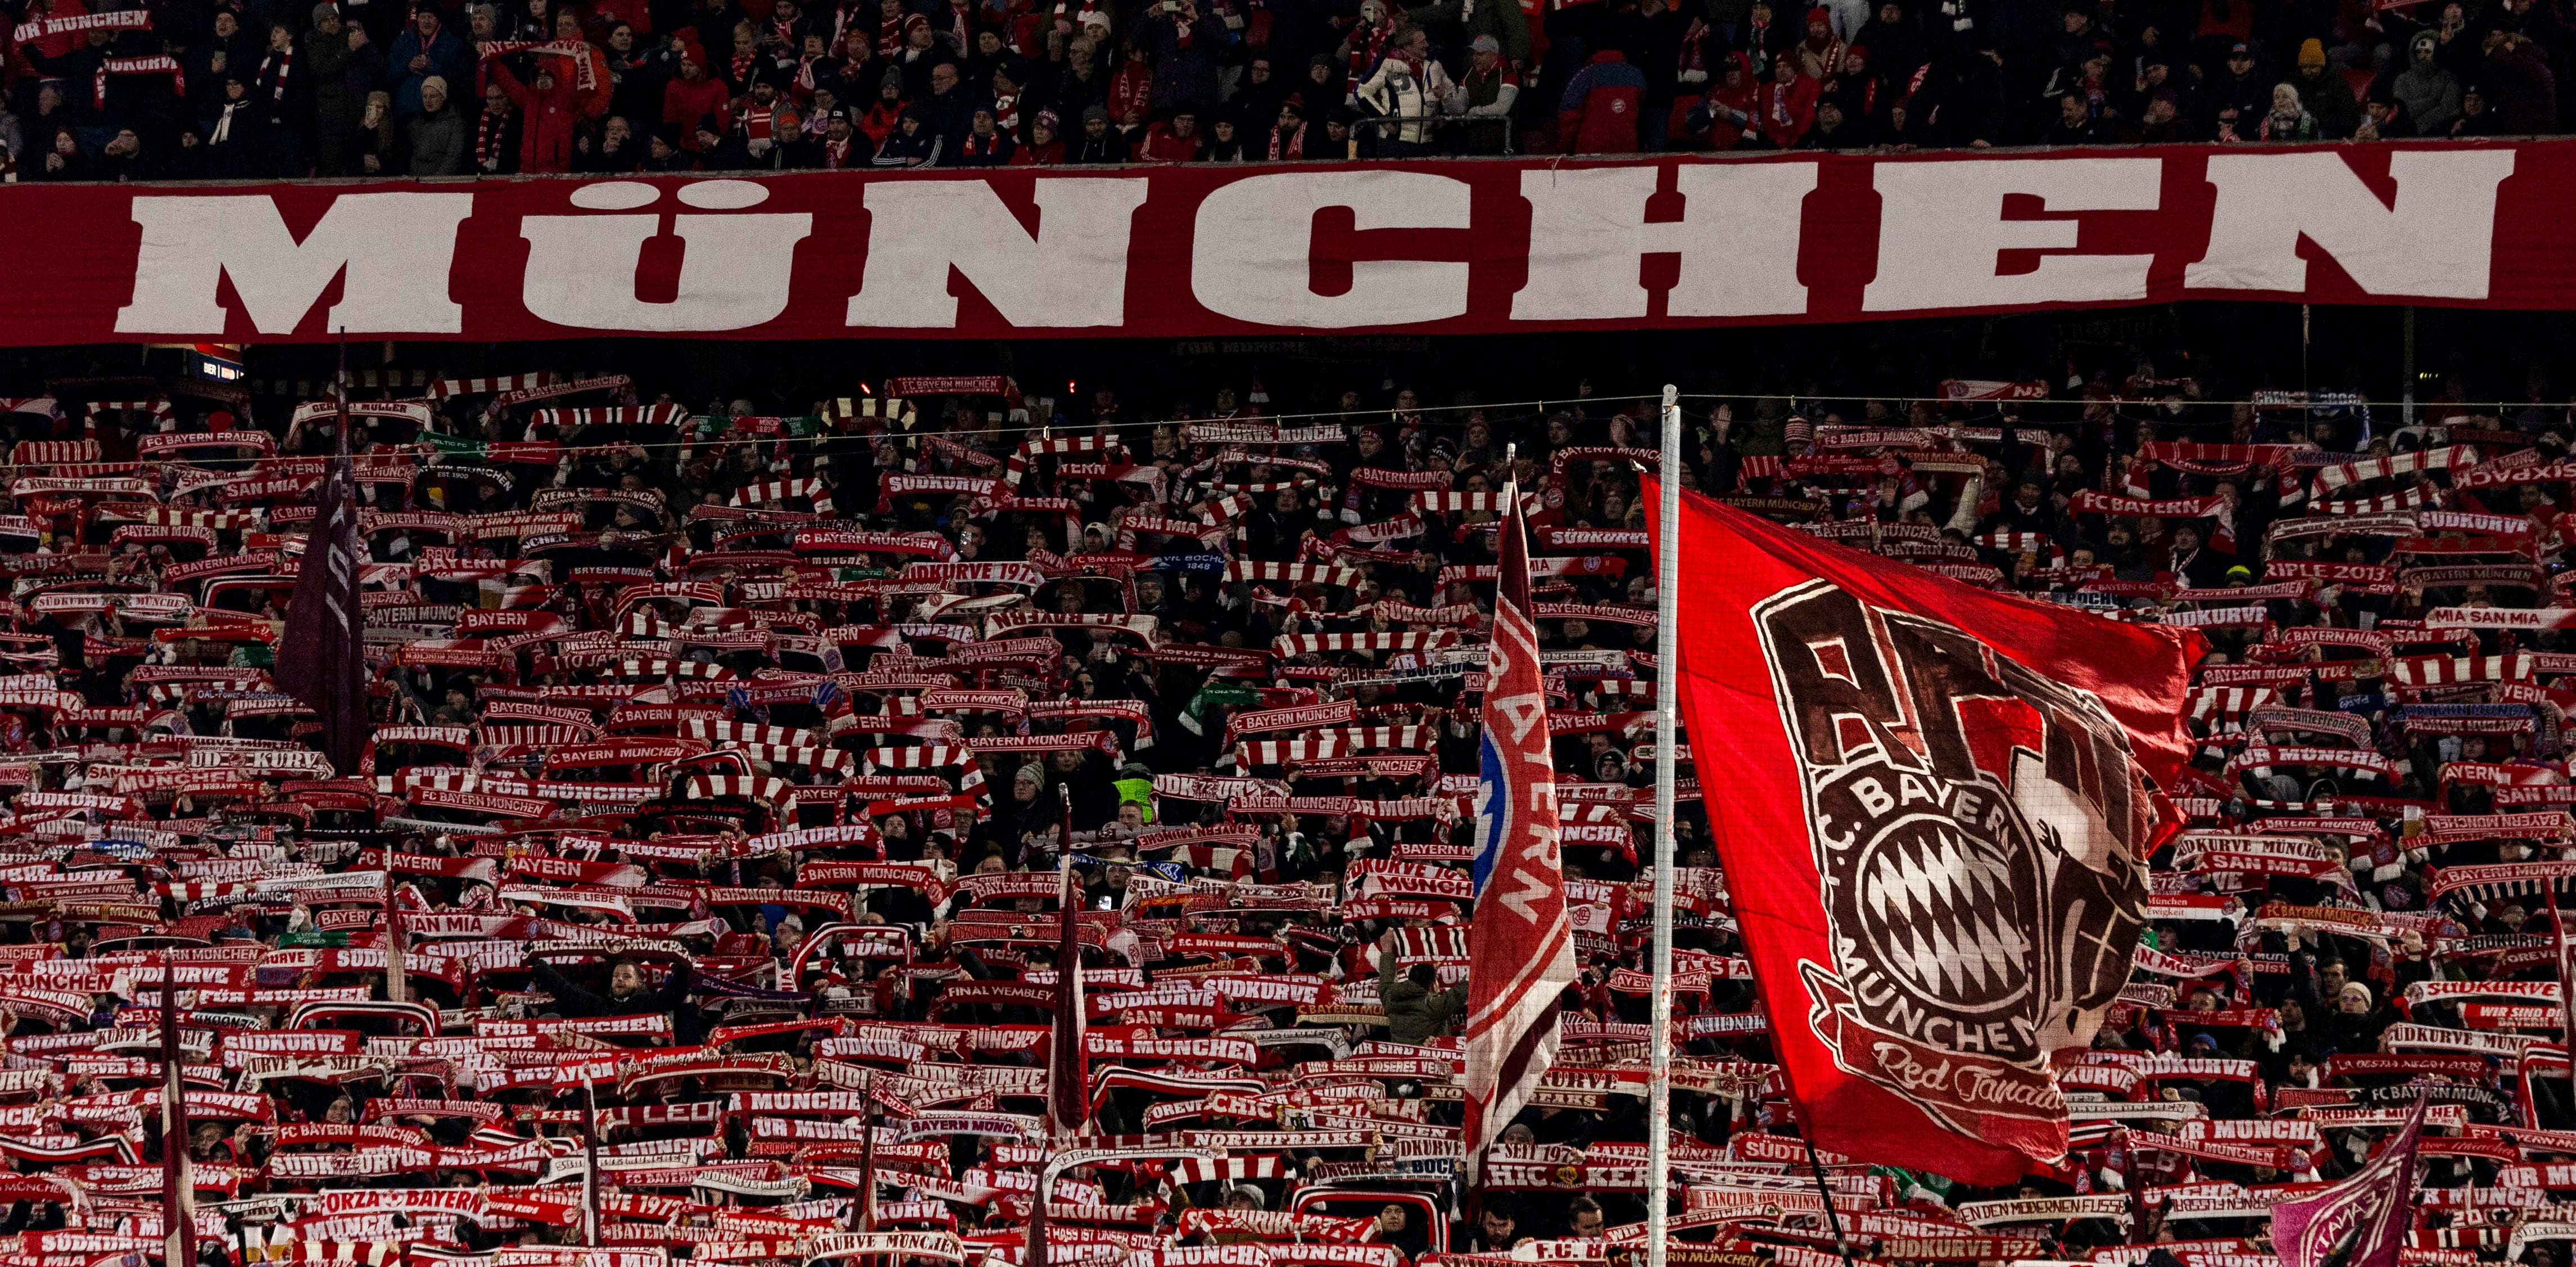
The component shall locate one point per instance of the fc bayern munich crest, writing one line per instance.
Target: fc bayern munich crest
(1977, 830)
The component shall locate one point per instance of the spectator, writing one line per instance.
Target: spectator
(1045, 148)
(843, 147)
(615, 152)
(2241, 86)
(1484, 99)
(911, 144)
(2428, 93)
(2324, 94)
(241, 146)
(948, 109)
(1097, 142)
(986, 145)
(62, 159)
(1788, 105)
(696, 102)
(345, 67)
(1175, 142)
(497, 133)
(1186, 44)
(2075, 123)
(546, 119)
(1407, 92)
(437, 133)
(427, 50)
(1226, 141)
(1597, 113)
(2522, 92)
(1287, 139)
(1832, 131)
(1464, 22)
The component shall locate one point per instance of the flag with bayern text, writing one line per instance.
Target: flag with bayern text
(1934, 805)
(1520, 946)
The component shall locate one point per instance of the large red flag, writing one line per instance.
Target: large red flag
(1928, 803)
(1520, 945)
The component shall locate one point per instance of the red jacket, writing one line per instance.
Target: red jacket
(546, 122)
(1788, 111)
(1131, 90)
(1161, 146)
(1602, 102)
(684, 103)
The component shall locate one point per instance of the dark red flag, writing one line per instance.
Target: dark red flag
(321, 658)
(1068, 1073)
(1928, 802)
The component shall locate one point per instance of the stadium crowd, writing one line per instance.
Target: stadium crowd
(113, 90)
(724, 768)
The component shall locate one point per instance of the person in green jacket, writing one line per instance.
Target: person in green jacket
(1414, 1010)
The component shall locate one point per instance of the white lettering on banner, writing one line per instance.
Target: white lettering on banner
(1253, 248)
(1941, 232)
(1071, 272)
(1589, 239)
(734, 269)
(2436, 240)
(395, 249)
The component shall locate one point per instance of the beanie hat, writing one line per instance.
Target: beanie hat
(2312, 54)
(326, 9)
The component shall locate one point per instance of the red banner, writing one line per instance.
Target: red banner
(1935, 834)
(1192, 251)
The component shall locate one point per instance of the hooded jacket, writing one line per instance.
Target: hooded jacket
(1598, 112)
(2429, 94)
(1414, 1013)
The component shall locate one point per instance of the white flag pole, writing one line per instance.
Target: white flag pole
(1659, 1087)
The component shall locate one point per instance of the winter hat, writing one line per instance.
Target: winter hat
(326, 9)
(1094, 17)
(2425, 44)
(2312, 54)
(1095, 111)
(1819, 16)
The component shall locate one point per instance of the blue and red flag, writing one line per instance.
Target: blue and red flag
(1520, 946)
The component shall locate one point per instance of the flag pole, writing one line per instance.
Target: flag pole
(178, 1179)
(1659, 1084)
(1667, 714)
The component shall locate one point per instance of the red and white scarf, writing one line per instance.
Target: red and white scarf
(155, 65)
(35, 29)
(284, 61)
(1288, 144)
(577, 50)
(487, 140)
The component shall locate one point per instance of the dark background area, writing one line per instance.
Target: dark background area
(2231, 349)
